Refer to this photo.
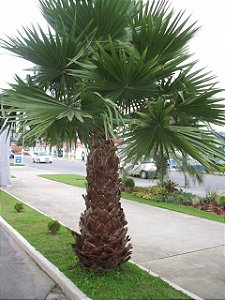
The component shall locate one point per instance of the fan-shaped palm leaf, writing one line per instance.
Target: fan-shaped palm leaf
(52, 54)
(162, 32)
(88, 114)
(108, 18)
(154, 133)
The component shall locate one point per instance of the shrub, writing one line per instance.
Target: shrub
(222, 169)
(19, 206)
(211, 198)
(53, 226)
(170, 186)
(221, 201)
(144, 195)
(180, 199)
(128, 182)
(162, 194)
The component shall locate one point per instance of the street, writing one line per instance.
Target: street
(64, 166)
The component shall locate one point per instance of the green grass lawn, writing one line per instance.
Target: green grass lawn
(16, 165)
(80, 181)
(128, 283)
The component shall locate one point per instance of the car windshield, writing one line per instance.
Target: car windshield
(42, 154)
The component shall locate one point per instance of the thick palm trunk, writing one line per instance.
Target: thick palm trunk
(103, 242)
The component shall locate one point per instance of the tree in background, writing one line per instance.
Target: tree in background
(107, 66)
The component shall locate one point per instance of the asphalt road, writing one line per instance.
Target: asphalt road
(63, 166)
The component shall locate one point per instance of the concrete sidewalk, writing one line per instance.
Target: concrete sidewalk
(183, 249)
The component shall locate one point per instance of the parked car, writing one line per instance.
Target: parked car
(146, 169)
(41, 157)
(194, 164)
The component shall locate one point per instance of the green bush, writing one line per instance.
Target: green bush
(221, 201)
(128, 182)
(170, 186)
(53, 226)
(180, 199)
(19, 206)
(211, 198)
(162, 195)
(158, 194)
(144, 195)
(222, 169)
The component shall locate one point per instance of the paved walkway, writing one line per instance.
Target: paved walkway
(183, 249)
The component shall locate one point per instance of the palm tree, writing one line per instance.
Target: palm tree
(105, 66)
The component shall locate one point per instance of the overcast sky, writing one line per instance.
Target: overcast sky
(208, 45)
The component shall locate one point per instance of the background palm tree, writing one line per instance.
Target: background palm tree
(108, 66)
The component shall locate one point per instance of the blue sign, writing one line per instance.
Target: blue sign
(18, 159)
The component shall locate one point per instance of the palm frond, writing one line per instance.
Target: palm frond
(162, 32)
(123, 75)
(88, 113)
(152, 133)
(107, 18)
(53, 55)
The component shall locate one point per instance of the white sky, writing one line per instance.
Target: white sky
(208, 45)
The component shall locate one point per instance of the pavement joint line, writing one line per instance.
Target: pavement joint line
(68, 287)
(184, 253)
(175, 286)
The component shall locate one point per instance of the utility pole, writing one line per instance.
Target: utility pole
(5, 179)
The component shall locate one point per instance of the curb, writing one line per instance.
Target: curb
(68, 287)
(175, 286)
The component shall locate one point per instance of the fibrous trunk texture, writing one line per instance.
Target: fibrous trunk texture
(103, 242)
(162, 167)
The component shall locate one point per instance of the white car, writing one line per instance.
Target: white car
(145, 169)
(41, 157)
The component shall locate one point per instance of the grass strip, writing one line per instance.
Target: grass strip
(127, 283)
(80, 181)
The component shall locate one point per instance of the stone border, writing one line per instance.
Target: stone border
(175, 286)
(68, 287)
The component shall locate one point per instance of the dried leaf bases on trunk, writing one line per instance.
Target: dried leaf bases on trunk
(103, 242)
